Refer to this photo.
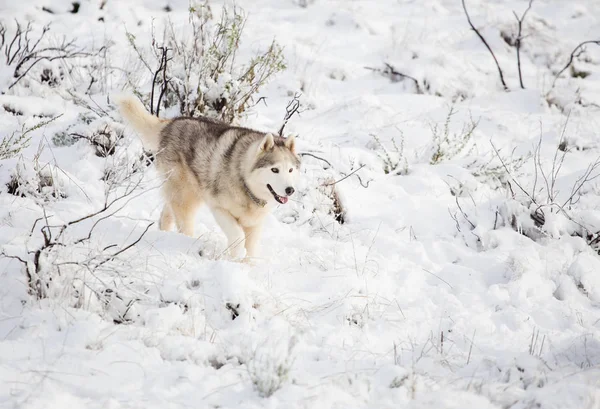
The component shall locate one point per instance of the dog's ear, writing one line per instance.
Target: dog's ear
(290, 143)
(268, 143)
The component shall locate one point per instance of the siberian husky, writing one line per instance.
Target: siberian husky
(239, 173)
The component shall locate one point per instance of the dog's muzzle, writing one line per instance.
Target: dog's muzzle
(279, 199)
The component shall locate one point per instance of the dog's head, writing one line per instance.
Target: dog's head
(275, 169)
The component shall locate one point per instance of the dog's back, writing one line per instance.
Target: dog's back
(213, 151)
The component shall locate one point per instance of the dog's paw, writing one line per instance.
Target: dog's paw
(251, 261)
(236, 252)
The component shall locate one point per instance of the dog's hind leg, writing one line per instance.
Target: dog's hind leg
(184, 209)
(167, 218)
(182, 196)
(233, 231)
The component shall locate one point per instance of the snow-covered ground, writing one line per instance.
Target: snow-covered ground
(438, 291)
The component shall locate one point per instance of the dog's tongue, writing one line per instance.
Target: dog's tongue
(283, 199)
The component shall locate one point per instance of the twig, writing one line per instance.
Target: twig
(568, 64)
(556, 169)
(316, 157)
(439, 278)
(124, 249)
(24, 53)
(486, 45)
(511, 176)
(292, 108)
(345, 177)
(586, 177)
(162, 68)
(390, 71)
(463, 213)
(361, 182)
(518, 41)
(471, 347)
(3, 254)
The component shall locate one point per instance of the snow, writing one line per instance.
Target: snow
(432, 294)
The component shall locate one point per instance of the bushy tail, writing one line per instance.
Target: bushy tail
(145, 124)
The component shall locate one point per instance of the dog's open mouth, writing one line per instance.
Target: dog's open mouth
(280, 199)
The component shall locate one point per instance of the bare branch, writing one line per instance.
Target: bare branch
(345, 177)
(519, 40)
(24, 53)
(511, 176)
(572, 57)
(391, 72)
(589, 175)
(292, 108)
(438, 277)
(464, 215)
(316, 157)
(556, 161)
(486, 45)
(3, 254)
(124, 249)
(162, 69)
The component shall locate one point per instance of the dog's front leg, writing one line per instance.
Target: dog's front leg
(252, 240)
(233, 231)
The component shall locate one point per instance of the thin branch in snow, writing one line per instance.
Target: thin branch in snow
(471, 347)
(511, 176)
(24, 52)
(486, 45)
(161, 70)
(124, 249)
(463, 213)
(345, 177)
(572, 57)
(519, 39)
(395, 76)
(292, 108)
(439, 278)
(316, 157)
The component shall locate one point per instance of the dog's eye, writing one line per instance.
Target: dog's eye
(291, 169)
(274, 170)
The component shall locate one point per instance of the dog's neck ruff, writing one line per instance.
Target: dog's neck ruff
(259, 202)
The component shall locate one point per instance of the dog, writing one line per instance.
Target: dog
(239, 173)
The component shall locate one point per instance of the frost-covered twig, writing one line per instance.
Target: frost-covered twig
(124, 249)
(448, 145)
(486, 45)
(292, 108)
(24, 52)
(203, 73)
(471, 347)
(12, 145)
(519, 39)
(394, 75)
(509, 173)
(591, 173)
(41, 261)
(547, 196)
(312, 155)
(392, 165)
(345, 177)
(464, 215)
(439, 278)
(572, 57)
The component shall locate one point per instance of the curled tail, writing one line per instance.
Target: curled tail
(145, 124)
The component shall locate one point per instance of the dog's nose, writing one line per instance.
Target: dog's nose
(289, 191)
